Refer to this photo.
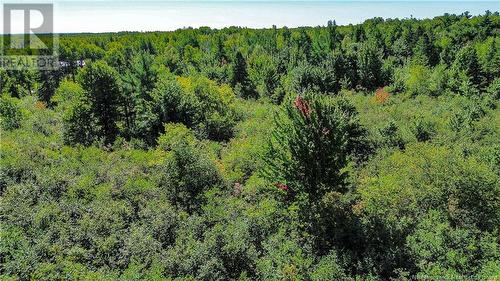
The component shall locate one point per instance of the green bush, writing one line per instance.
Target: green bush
(67, 94)
(425, 177)
(328, 268)
(441, 250)
(10, 113)
(198, 103)
(187, 172)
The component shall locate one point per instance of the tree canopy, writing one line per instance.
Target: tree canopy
(360, 152)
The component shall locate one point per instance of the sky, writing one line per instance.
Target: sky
(72, 16)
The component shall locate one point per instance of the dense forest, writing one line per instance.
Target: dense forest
(360, 152)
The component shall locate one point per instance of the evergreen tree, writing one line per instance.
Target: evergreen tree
(304, 45)
(425, 52)
(335, 72)
(102, 91)
(287, 35)
(369, 65)
(241, 81)
(313, 139)
(334, 35)
(221, 53)
(358, 33)
(138, 82)
(491, 62)
(49, 81)
(80, 126)
(467, 62)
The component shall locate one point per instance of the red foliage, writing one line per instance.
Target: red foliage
(281, 186)
(302, 106)
(40, 105)
(381, 96)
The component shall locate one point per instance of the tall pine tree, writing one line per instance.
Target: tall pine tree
(241, 81)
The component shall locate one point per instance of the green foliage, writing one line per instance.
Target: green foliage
(425, 177)
(18, 83)
(369, 65)
(67, 94)
(242, 156)
(116, 56)
(198, 164)
(390, 135)
(213, 115)
(138, 83)
(97, 112)
(489, 58)
(467, 62)
(49, 81)
(494, 89)
(80, 125)
(422, 80)
(175, 135)
(418, 80)
(325, 79)
(422, 130)
(262, 71)
(188, 171)
(328, 268)
(311, 145)
(241, 81)
(10, 113)
(285, 259)
(442, 250)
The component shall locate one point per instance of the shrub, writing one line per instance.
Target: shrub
(408, 184)
(176, 134)
(67, 94)
(213, 115)
(328, 268)
(187, 171)
(418, 80)
(381, 96)
(391, 136)
(439, 249)
(423, 130)
(284, 258)
(10, 113)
